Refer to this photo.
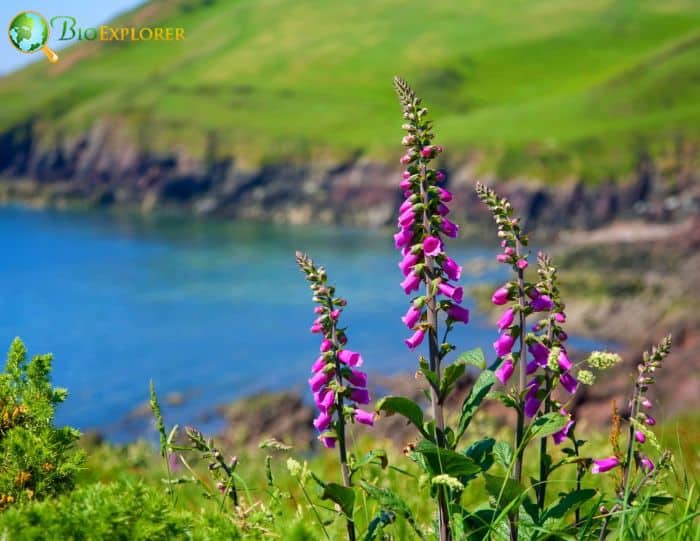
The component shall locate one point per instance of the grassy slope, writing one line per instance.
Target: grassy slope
(542, 86)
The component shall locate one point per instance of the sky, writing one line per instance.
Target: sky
(89, 13)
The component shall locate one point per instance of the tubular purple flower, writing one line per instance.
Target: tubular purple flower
(318, 309)
(412, 317)
(328, 442)
(505, 371)
(541, 303)
(319, 365)
(502, 258)
(432, 246)
(560, 436)
(504, 344)
(361, 396)
(323, 421)
(646, 463)
(450, 228)
(569, 382)
(639, 436)
(564, 362)
(326, 400)
(650, 420)
(351, 358)
(326, 345)
(318, 380)
(506, 319)
(402, 238)
(531, 367)
(316, 328)
(458, 313)
(522, 264)
(539, 353)
(407, 263)
(605, 464)
(445, 196)
(407, 219)
(357, 378)
(414, 341)
(500, 296)
(560, 317)
(443, 210)
(451, 268)
(646, 403)
(406, 205)
(364, 417)
(532, 403)
(405, 184)
(454, 293)
(406, 175)
(406, 159)
(410, 283)
(440, 176)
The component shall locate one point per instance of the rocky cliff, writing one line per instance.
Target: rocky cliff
(105, 167)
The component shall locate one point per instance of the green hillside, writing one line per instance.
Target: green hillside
(545, 87)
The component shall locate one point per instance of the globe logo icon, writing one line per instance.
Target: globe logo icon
(29, 32)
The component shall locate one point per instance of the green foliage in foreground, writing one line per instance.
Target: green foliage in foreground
(546, 87)
(37, 460)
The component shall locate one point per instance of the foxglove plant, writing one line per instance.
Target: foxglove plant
(638, 470)
(422, 225)
(337, 383)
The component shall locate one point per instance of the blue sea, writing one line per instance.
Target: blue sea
(210, 310)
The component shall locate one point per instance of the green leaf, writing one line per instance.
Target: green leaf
(568, 503)
(381, 519)
(503, 453)
(481, 452)
(446, 461)
(476, 396)
(504, 490)
(474, 357)
(402, 406)
(392, 502)
(450, 376)
(548, 424)
(504, 398)
(343, 496)
(378, 457)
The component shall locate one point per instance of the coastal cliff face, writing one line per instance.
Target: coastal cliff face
(104, 167)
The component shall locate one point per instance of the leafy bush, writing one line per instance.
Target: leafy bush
(38, 460)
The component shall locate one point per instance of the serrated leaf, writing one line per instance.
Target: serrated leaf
(473, 357)
(450, 376)
(503, 453)
(481, 452)
(476, 396)
(504, 398)
(446, 461)
(343, 496)
(403, 406)
(548, 424)
(378, 456)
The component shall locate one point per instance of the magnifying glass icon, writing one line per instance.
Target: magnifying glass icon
(29, 32)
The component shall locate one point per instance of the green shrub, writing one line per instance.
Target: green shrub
(38, 460)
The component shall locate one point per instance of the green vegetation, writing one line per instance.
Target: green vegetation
(548, 88)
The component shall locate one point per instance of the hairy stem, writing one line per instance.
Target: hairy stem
(522, 361)
(342, 450)
(434, 363)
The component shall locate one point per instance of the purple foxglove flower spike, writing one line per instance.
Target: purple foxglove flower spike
(505, 371)
(412, 317)
(414, 341)
(407, 263)
(318, 380)
(455, 293)
(639, 436)
(560, 436)
(502, 258)
(650, 420)
(541, 303)
(605, 464)
(432, 246)
(522, 264)
(564, 362)
(329, 442)
(326, 345)
(319, 365)
(560, 317)
(504, 344)
(406, 205)
(449, 228)
(532, 403)
(357, 378)
(402, 238)
(458, 313)
(443, 210)
(364, 417)
(569, 382)
(539, 353)
(500, 296)
(506, 319)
